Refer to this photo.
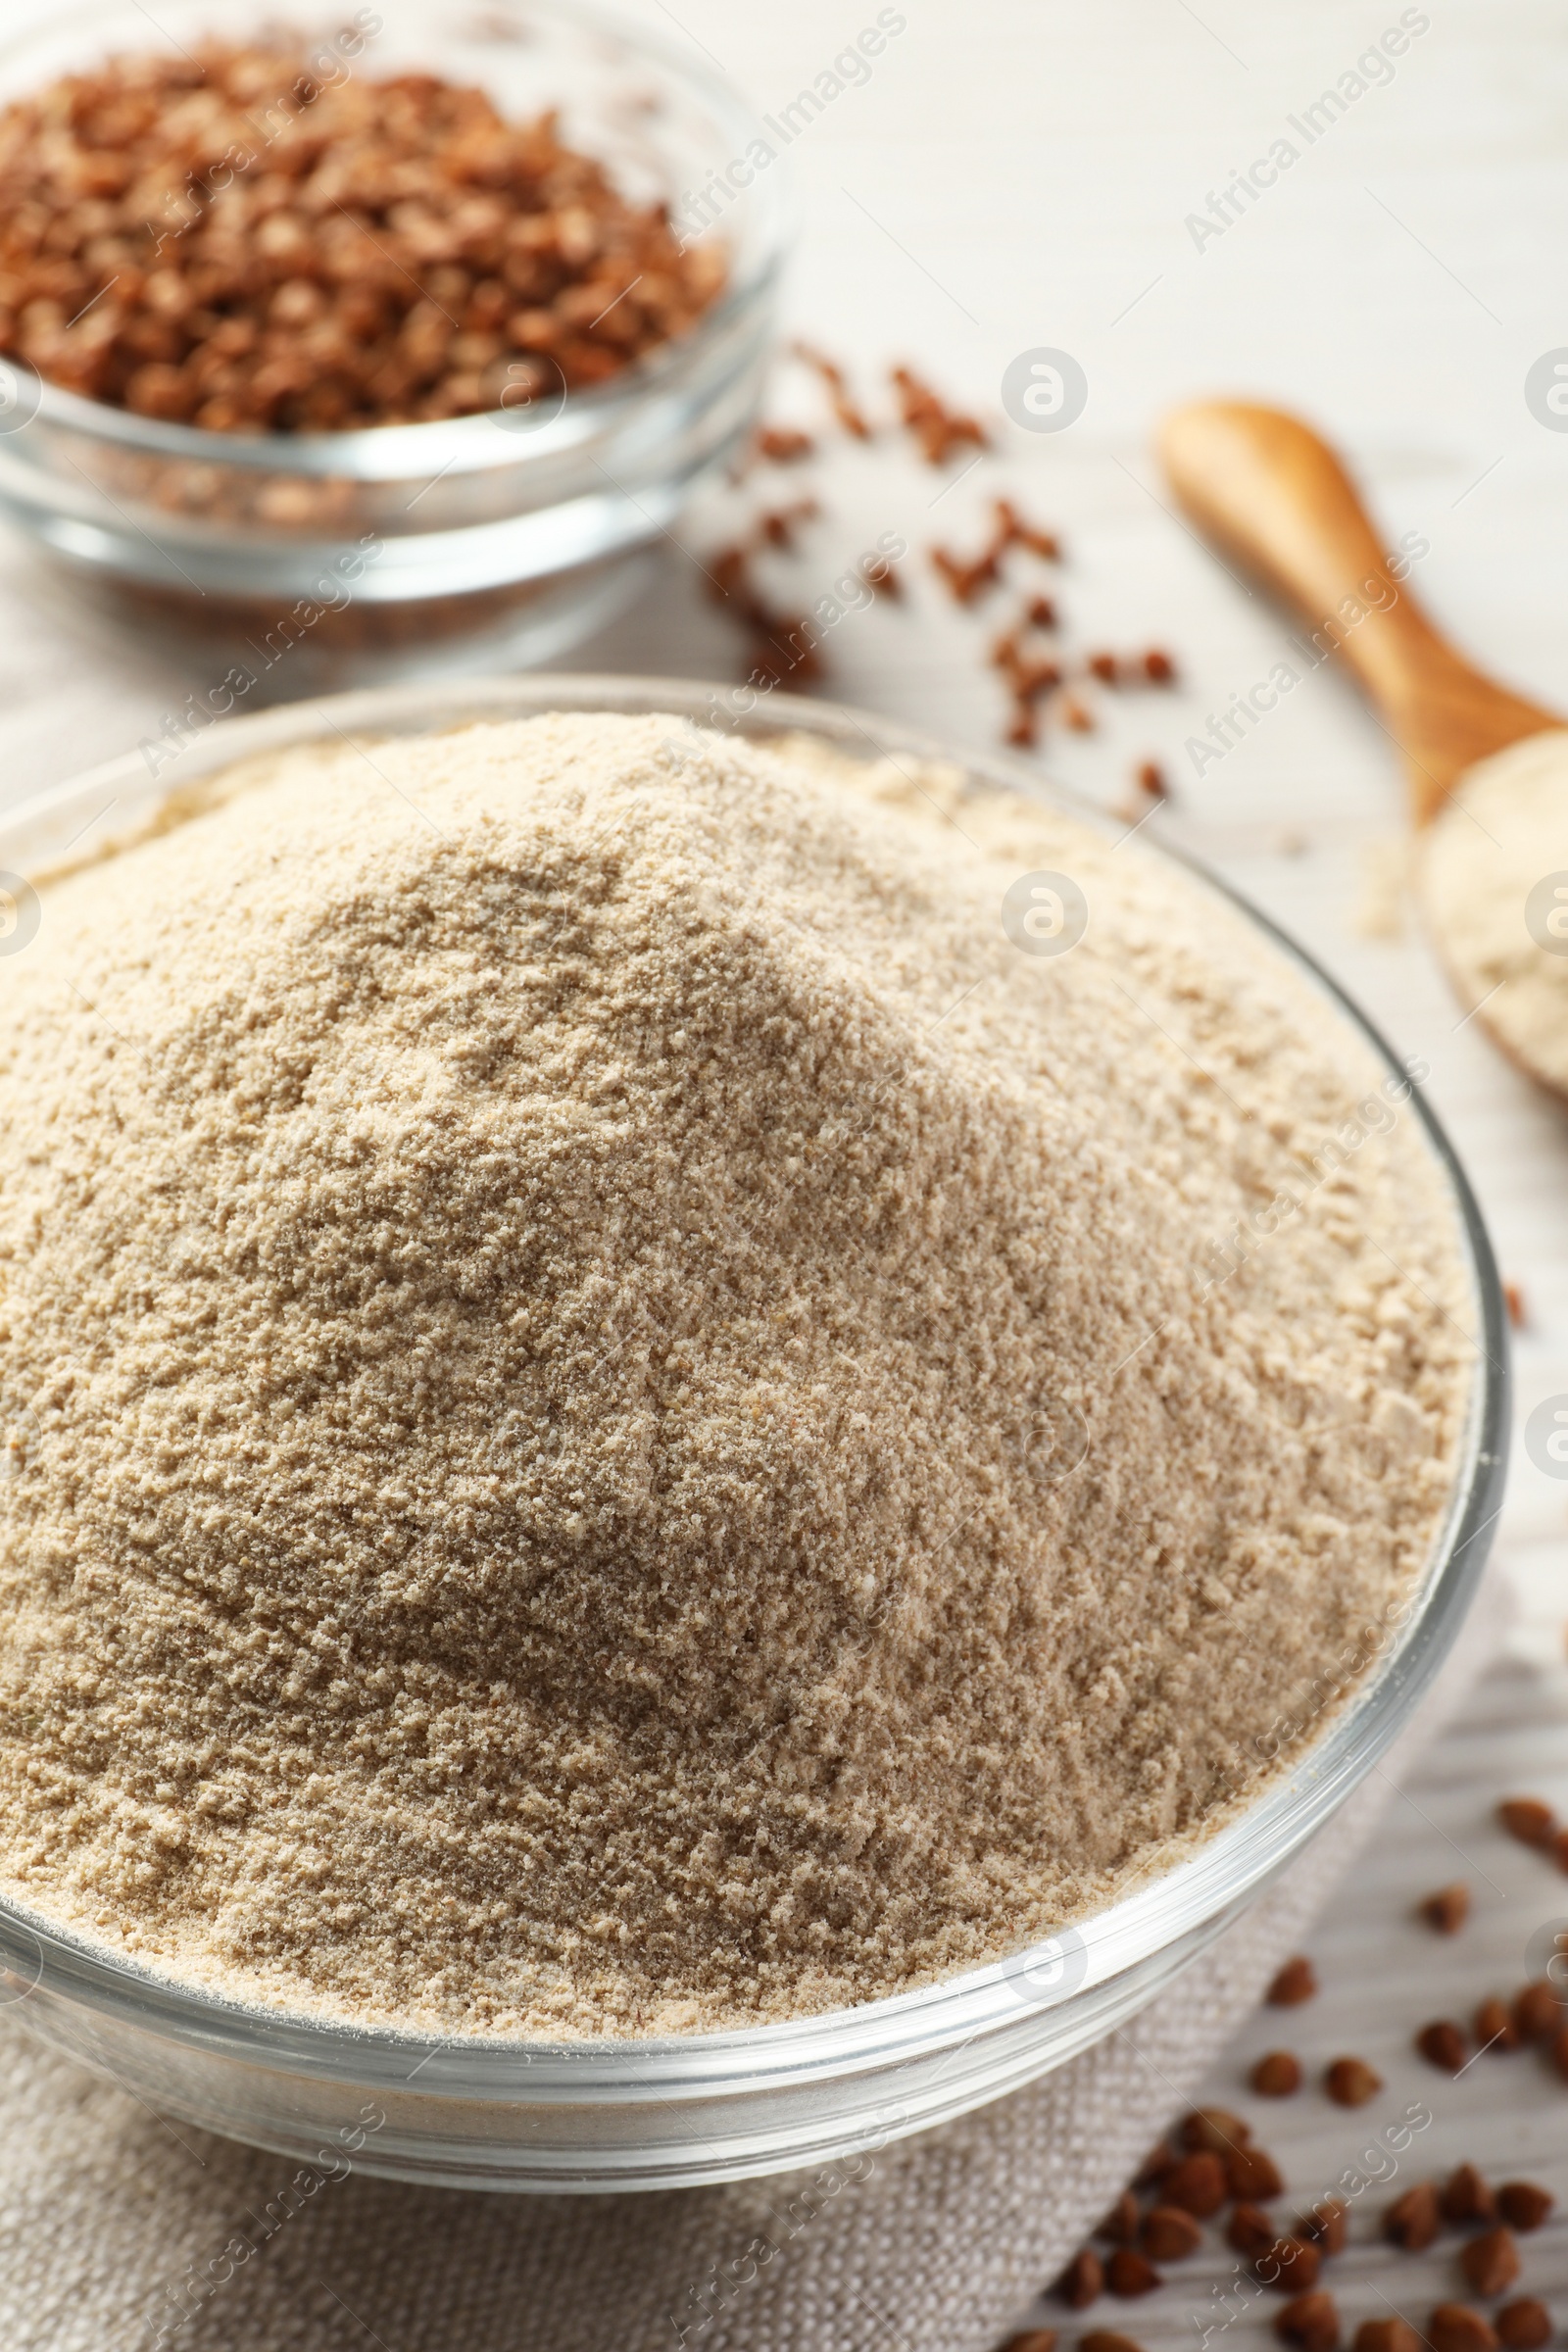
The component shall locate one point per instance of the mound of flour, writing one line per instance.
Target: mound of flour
(623, 1416)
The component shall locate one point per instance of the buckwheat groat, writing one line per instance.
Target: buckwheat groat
(268, 236)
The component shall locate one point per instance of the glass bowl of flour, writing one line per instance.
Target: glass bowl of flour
(736, 1423)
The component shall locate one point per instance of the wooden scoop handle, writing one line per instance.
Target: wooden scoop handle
(1263, 487)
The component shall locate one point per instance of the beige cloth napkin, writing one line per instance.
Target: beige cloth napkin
(107, 2213)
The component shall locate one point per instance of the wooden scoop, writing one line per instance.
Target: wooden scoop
(1269, 493)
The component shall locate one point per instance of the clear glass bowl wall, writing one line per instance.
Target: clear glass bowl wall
(658, 2113)
(525, 527)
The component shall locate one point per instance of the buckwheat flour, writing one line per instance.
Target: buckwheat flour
(623, 1417)
(1496, 869)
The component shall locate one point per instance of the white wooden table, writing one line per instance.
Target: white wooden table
(1017, 174)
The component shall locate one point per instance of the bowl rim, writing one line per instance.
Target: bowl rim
(453, 444)
(1225, 1867)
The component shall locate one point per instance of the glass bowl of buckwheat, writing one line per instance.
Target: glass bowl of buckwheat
(391, 340)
